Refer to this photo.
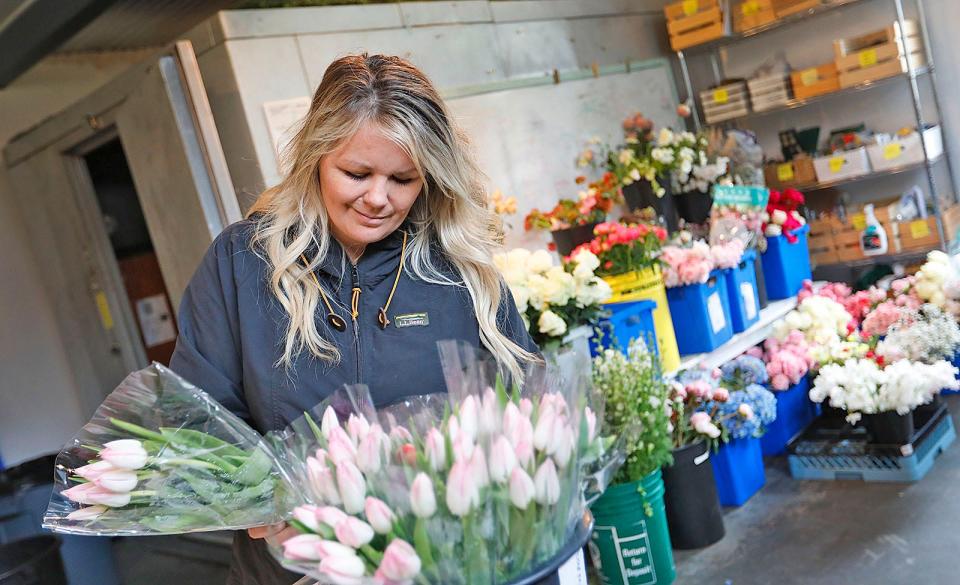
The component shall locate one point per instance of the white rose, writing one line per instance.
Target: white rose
(779, 217)
(521, 296)
(551, 324)
(665, 137)
(560, 287)
(586, 263)
(539, 261)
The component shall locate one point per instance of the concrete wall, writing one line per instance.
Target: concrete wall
(39, 410)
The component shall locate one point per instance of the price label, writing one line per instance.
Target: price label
(809, 76)
(892, 150)
(750, 7)
(106, 318)
(785, 172)
(868, 58)
(858, 221)
(691, 7)
(836, 163)
(919, 229)
(721, 96)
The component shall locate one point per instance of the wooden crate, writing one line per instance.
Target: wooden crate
(815, 81)
(769, 91)
(693, 22)
(897, 66)
(918, 234)
(847, 244)
(889, 34)
(823, 250)
(798, 172)
(784, 8)
(725, 102)
(748, 14)
(879, 54)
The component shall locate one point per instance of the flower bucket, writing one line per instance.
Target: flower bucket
(889, 428)
(925, 412)
(647, 284)
(786, 265)
(701, 313)
(627, 321)
(545, 573)
(742, 291)
(639, 195)
(631, 543)
(693, 508)
(578, 340)
(738, 470)
(568, 239)
(761, 284)
(794, 412)
(956, 363)
(694, 206)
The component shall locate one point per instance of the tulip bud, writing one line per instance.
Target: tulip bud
(525, 454)
(340, 447)
(502, 460)
(400, 435)
(436, 449)
(565, 447)
(307, 515)
(302, 547)
(469, 413)
(526, 407)
(423, 502)
(125, 454)
(353, 532)
(400, 562)
(408, 454)
(453, 427)
(93, 470)
(357, 427)
(91, 493)
(462, 447)
(322, 483)
(117, 480)
(511, 416)
(522, 432)
(353, 488)
(343, 570)
(489, 414)
(368, 453)
(547, 484)
(591, 424)
(478, 467)
(332, 548)
(86, 513)
(522, 489)
(379, 515)
(462, 489)
(545, 433)
(330, 516)
(329, 422)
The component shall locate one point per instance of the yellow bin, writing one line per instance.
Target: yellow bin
(647, 284)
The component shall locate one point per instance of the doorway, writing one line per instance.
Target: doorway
(126, 227)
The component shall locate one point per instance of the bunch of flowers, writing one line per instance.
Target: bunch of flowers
(690, 396)
(564, 215)
(623, 248)
(881, 318)
(820, 319)
(787, 360)
(750, 407)
(728, 254)
(693, 167)
(636, 407)
(503, 206)
(927, 335)
(861, 386)
(553, 299)
(685, 265)
(933, 279)
(858, 304)
(783, 215)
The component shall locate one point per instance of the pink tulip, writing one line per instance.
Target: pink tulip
(340, 447)
(511, 417)
(379, 515)
(565, 447)
(332, 548)
(353, 532)
(400, 562)
(591, 424)
(436, 449)
(117, 480)
(87, 513)
(526, 407)
(423, 501)
(322, 482)
(547, 484)
(453, 427)
(522, 432)
(522, 489)
(478, 467)
(302, 547)
(91, 493)
(125, 454)
(400, 435)
(502, 460)
(489, 414)
(544, 432)
(469, 417)
(343, 570)
(525, 453)
(369, 452)
(329, 422)
(330, 516)
(353, 488)
(307, 515)
(462, 491)
(357, 427)
(462, 447)
(93, 470)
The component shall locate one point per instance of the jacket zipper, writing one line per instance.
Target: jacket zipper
(356, 326)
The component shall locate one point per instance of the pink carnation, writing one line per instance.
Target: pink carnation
(727, 255)
(686, 265)
(878, 321)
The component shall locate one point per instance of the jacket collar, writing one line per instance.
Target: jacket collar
(379, 261)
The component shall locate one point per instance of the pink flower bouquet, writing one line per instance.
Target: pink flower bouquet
(685, 266)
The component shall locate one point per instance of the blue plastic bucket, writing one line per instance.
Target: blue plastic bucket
(794, 412)
(701, 314)
(742, 290)
(738, 470)
(956, 363)
(786, 265)
(627, 321)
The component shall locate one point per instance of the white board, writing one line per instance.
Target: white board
(527, 139)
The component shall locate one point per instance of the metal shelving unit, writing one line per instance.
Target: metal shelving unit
(912, 75)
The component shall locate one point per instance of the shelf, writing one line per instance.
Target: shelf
(741, 342)
(903, 256)
(779, 23)
(800, 103)
(867, 177)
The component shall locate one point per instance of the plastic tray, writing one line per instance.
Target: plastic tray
(832, 450)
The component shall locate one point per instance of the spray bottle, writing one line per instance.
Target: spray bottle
(873, 239)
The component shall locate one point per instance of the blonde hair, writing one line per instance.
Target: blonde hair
(451, 210)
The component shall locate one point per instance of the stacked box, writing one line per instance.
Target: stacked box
(725, 102)
(907, 150)
(748, 14)
(842, 165)
(815, 81)
(879, 54)
(769, 92)
(693, 22)
(797, 173)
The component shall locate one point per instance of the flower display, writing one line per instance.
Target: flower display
(927, 335)
(690, 396)
(820, 319)
(728, 254)
(881, 318)
(787, 360)
(858, 304)
(622, 248)
(783, 215)
(932, 280)
(748, 407)
(687, 265)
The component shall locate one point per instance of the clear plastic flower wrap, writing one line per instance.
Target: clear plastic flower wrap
(738, 214)
(160, 456)
(480, 485)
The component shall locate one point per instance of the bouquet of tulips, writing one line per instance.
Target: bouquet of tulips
(480, 485)
(161, 457)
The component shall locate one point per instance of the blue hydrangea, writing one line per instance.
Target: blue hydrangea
(761, 401)
(739, 373)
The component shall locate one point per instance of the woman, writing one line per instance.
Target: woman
(376, 245)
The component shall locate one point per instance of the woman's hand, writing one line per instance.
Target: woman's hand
(275, 534)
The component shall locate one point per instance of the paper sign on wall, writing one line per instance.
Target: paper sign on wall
(282, 119)
(715, 309)
(156, 322)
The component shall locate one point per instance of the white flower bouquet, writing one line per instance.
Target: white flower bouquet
(927, 335)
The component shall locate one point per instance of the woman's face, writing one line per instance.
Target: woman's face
(368, 186)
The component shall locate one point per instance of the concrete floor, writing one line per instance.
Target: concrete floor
(838, 533)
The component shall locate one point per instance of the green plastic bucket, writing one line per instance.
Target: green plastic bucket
(630, 544)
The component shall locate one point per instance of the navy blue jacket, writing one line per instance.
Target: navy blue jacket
(232, 331)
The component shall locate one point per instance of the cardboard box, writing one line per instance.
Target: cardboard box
(842, 165)
(906, 151)
(918, 234)
(796, 173)
(814, 81)
(823, 250)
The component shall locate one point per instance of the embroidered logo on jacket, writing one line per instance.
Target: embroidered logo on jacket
(412, 320)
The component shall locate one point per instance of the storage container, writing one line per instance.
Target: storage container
(701, 315)
(627, 321)
(905, 151)
(795, 411)
(738, 470)
(693, 22)
(842, 165)
(820, 241)
(879, 54)
(693, 508)
(815, 81)
(725, 102)
(742, 293)
(917, 234)
(786, 265)
(769, 92)
(648, 285)
(749, 14)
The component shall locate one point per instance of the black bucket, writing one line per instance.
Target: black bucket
(568, 239)
(693, 507)
(639, 195)
(890, 428)
(32, 561)
(761, 284)
(694, 207)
